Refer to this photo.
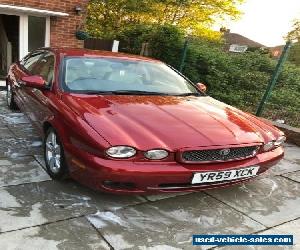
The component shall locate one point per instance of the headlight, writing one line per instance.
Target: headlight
(121, 152)
(156, 154)
(273, 144)
(280, 140)
(268, 146)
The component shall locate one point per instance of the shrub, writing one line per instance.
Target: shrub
(165, 41)
(132, 37)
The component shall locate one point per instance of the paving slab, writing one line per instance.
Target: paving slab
(163, 196)
(3, 105)
(13, 148)
(38, 203)
(271, 201)
(292, 227)
(5, 132)
(283, 167)
(3, 109)
(71, 234)
(24, 131)
(170, 223)
(5, 162)
(14, 118)
(21, 170)
(292, 153)
(258, 248)
(40, 159)
(295, 176)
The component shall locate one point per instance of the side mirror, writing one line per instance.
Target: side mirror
(201, 86)
(34, 82)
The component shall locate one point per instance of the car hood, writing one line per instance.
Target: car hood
(169, 122)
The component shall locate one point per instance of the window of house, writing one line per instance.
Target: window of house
(36, 32)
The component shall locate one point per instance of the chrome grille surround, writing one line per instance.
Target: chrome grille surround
(219, 155)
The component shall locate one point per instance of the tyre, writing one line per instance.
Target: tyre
(10, 98)
(54, 156)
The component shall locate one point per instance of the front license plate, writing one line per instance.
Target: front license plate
(227, 175)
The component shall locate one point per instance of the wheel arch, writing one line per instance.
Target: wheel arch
(52, 123)
(46, 126)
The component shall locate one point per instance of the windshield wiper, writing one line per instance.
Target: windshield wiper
(124, 92)
(189, 94)
(136, 92)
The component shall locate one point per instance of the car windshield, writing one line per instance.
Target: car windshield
(121, 76)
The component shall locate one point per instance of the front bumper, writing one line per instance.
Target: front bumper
(126, 177)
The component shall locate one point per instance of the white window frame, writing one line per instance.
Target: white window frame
(23, 13)
(23, 35)
(48, 32)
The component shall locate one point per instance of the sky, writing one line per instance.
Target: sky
(266, 21)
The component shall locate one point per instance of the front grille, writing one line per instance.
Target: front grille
(223, 154)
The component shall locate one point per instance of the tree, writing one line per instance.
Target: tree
(107, 17)
(196, 16)
(295, 33)
(294, 55)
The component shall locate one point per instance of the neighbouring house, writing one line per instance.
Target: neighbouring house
(29, 24)
(238, 43)
(276, 51)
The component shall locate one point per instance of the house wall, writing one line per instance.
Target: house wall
(62, 28)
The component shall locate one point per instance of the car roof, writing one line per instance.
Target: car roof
(98, 53)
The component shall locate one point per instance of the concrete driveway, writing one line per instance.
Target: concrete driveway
(39, 213)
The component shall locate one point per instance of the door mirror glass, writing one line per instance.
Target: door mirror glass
(34, 82)
(202, 87)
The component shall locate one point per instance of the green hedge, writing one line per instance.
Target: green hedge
(237, 79)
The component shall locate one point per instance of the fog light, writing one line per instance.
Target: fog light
(156, 154)
(119, 185)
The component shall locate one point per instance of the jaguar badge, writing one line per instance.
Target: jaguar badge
(224, 152)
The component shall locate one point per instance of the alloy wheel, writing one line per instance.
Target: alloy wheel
(53, 153)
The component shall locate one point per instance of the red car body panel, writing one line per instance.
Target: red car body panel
(147, 122)
(89, 124)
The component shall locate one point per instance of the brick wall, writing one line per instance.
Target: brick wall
(62, 28)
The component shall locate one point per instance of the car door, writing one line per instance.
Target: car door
(24, 68)
(39, 98)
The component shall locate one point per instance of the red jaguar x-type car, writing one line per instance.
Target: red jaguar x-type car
(129, 124)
